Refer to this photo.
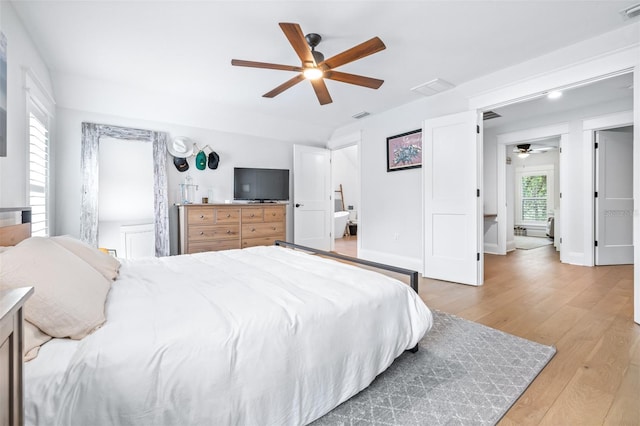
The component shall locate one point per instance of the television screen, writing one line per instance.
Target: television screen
(260, 184)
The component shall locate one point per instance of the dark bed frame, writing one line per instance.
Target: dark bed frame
(413, 275)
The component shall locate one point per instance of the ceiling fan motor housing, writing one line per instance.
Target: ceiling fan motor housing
(313, 40)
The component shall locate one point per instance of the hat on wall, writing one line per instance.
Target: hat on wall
(180, 147)
(201, 160)
(214, 159)
(181, 164)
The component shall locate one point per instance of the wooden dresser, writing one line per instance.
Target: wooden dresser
(211, 227)
(11, 354)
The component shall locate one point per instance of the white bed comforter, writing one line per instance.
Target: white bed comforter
(260, 336)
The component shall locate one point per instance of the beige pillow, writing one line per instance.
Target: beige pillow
(69, 294)
(33, 339)
(106, 264)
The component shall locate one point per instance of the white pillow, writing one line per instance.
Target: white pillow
(69, 294)
(33, 339)
(106, 264)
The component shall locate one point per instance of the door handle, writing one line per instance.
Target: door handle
(299, 205)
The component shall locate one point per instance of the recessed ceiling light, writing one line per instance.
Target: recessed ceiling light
(554, 95)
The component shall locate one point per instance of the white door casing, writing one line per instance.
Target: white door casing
(614, 200)
(452, 155)
(312, 197)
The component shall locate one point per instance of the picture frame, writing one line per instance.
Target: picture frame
(404, 151)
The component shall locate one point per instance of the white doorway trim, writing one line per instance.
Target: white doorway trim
(523, 136)
(345, 141)
(589, 126)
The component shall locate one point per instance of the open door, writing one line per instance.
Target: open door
(614, 197)
(312, 197)
(452, 150)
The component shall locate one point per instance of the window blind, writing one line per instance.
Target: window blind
(39, 171)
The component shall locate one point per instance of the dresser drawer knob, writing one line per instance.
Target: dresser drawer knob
(228, 214)
(201, 216)
(273, 214)
(201, 232)
(253, 229)
(252, 215)
(274, 228)
(228, 231)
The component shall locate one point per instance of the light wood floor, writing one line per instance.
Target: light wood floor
(585, 312)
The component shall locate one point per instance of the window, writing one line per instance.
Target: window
(534, 195)
(39, 171)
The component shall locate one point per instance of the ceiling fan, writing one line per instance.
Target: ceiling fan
(523, 150)
(314, 67)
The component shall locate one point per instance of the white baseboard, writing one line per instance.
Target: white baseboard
(491, 248)
(574, 258)
(511, 245)
(391, 259)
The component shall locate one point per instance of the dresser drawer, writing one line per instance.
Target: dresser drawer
(197, 216)
(262, 241)
(226, 232)
(224, 215)
(213, 245)
(274, 214)
(256, 230)
(252, 215)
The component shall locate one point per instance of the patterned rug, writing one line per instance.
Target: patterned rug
(464, 374)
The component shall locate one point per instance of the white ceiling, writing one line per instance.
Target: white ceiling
(186, 47)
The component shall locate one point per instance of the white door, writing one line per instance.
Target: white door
(452, 149)
(614, 200)
(312, 197)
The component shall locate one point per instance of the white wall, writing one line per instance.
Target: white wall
(21, 54)
(234, 150)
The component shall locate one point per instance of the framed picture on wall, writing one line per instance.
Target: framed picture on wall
(404, 151)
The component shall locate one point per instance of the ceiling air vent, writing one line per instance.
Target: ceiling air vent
(432, 87)
(488, 115)
(360, 115)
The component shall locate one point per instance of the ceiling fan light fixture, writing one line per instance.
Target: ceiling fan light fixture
(523, 155)
(312, 73)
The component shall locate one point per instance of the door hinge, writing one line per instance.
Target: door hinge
(560, 150)
(477, 128)
(561, 195)
(596, 194)
(596, 243)
(478, 257)
(477, 192)
(560, 240)
(596, 145)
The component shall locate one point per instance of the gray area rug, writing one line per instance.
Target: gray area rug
(528, 243)
(463, 374)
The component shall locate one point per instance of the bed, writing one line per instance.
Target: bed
(264, 335)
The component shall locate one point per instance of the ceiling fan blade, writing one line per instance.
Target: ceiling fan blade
(252, 64)
(360, 51)
(372, 83)
(321, 90)
(298, 42)
(284, 86)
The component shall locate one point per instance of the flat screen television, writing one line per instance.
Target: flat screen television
(260, 185)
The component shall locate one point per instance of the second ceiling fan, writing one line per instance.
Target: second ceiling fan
(314, 67)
